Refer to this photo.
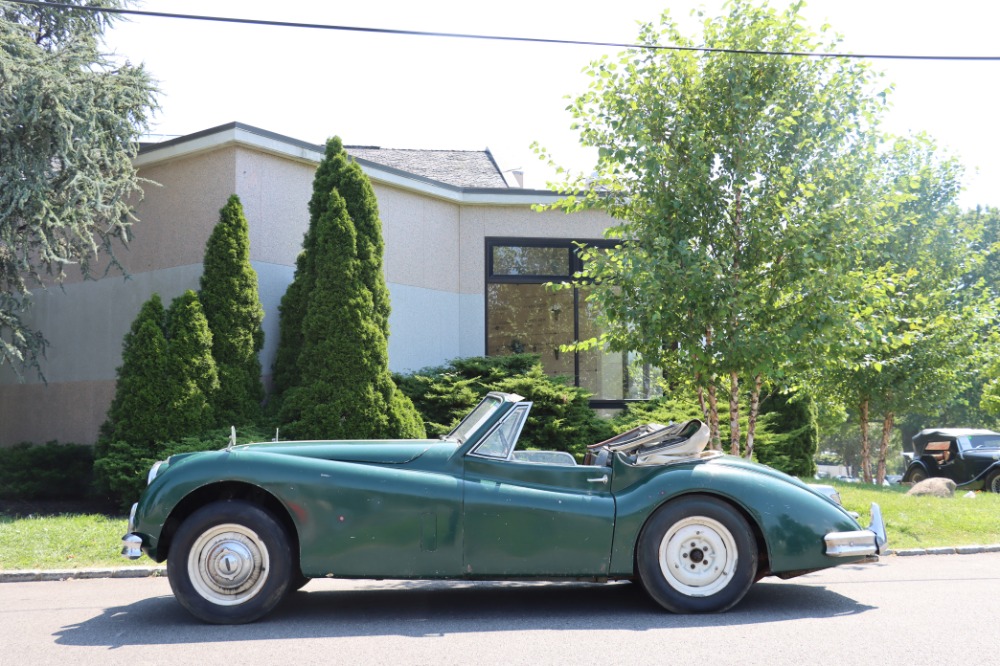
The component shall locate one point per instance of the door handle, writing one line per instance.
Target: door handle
(600, 479)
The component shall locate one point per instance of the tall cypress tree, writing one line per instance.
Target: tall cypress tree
(137, 412)
(338, 309)
(234, 313)
(191, 378)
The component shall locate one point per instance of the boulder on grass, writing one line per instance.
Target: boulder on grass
(935, 487)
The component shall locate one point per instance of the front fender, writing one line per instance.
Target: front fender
(979, 480)
(281, 477)
(791, 519)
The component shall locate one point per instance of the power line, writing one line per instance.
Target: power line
(502, 38)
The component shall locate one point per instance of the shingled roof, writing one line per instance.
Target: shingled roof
(461, 168)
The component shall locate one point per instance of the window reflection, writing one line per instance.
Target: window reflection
(526, 315)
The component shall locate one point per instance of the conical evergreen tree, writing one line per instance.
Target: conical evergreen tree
(340, 386)
(191, 379)
(234, 313)
(137, 417)
(137, 411)
(291, 311)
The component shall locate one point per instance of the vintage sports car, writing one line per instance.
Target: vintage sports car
(970, 458)
(243, 526)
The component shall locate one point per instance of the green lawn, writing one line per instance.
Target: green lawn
(928, 522)
(76, 541)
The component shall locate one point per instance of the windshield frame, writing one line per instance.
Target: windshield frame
(475, 420)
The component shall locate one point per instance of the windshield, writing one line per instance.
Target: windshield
(980, 442)
(475, 419)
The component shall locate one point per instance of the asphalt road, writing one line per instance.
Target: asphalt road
(934, 609)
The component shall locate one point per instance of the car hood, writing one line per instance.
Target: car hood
(384, 452)
(982, 454)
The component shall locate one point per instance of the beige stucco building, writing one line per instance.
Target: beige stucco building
(463, 248)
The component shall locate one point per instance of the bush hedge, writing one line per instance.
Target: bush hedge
(50, 471)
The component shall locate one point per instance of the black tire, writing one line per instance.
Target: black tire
(697, 555)
(915, 474)
(992, 484)
(230, 563)
(298, 582)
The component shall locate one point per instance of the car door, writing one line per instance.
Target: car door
(524, 518)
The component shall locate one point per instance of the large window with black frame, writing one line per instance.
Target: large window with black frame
(525, 314)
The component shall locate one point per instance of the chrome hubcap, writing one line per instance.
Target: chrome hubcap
(698, 556)
(228, 564)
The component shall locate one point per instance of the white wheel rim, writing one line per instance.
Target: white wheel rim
(228, 564)
(995, 484)
(698, 556)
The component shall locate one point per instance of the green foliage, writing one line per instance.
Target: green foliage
(191, 378)
(915, 332)
(138, 411)
(443, 395)
(794, 434)
(163, 392)
(336, 313)
(561, 417)
(45, 472)
(664, 409)
(232, 308)
(739, 187)
(71, 122)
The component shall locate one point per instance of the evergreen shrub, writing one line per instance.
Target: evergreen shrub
(561, 417)
(50, 471)
(234, 313)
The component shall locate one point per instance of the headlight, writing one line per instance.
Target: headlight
(153, 471)
(827, 491)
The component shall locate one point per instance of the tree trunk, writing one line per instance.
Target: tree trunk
(734, 414)
(866, 467)
(701, 398)
(713, 418)
(752, 418)
(883, 449)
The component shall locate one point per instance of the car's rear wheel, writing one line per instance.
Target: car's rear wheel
(915, 474)
(697, 555)
(230, 562)
(992, 483)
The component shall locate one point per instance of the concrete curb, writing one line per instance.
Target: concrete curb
(958, 550)
(32, 575)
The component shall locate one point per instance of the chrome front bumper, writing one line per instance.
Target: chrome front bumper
(859, 543)
(132, 544)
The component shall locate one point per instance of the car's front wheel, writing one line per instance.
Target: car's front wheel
(230, 562)
(992, 483)
(697, 555)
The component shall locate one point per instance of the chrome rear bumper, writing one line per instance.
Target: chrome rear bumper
(859, 543)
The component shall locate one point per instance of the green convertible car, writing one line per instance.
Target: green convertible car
(243, 526)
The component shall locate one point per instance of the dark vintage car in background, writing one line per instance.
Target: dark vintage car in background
(242, 527)
(969, 457)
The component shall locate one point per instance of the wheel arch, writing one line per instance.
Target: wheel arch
(923, 464)
(221, 491)
(763, 558)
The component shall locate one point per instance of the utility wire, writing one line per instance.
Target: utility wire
(502, 38)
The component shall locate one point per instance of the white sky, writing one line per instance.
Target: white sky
(421, 92)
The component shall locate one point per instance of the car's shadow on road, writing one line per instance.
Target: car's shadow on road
(421, 608)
